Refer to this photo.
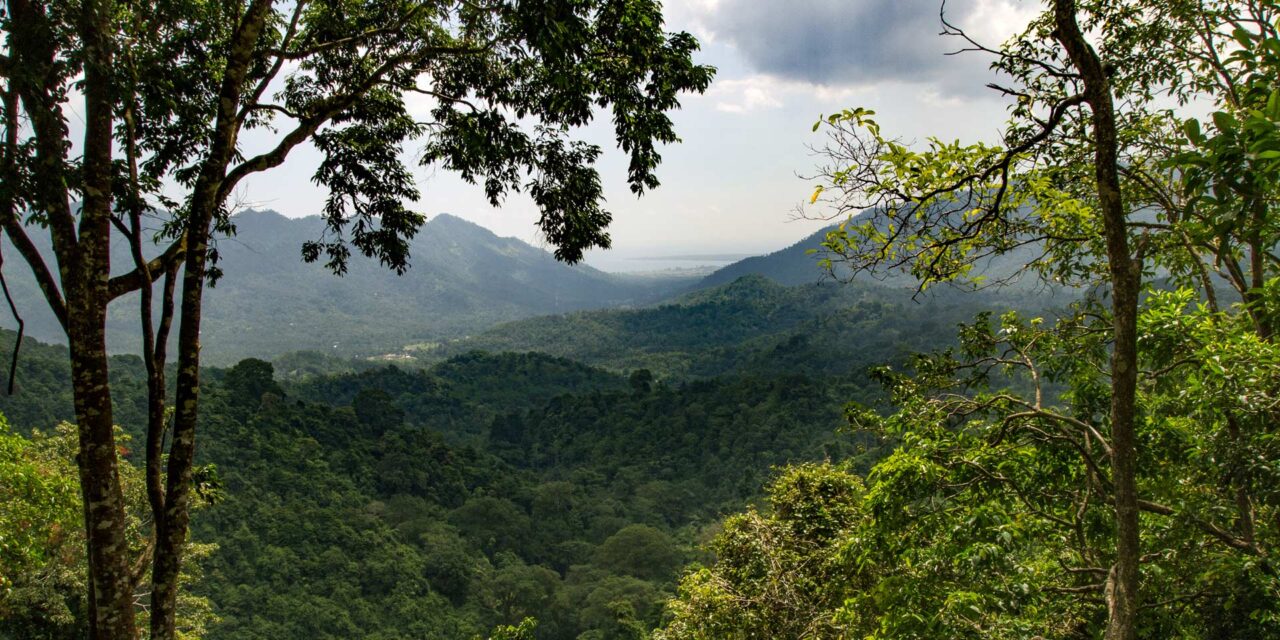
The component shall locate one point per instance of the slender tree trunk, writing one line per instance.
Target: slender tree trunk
(82, 271)
(1122, 581)
(171, 531)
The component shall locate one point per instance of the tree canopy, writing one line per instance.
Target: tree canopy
(1100, 471)
(171, 91)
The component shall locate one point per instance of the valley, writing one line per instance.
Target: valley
(562, 467)
(633, 320)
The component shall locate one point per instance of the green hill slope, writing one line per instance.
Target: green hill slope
(439, 503)
(751, 325)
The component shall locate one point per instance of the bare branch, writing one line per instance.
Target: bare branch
(134, 280)
(44, 277)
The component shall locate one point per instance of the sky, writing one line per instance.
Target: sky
(732, 185)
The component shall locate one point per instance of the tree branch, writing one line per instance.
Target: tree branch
(326, 111)
(1222, 535)
(138, 278)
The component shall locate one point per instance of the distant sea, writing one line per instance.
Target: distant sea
(648, 264)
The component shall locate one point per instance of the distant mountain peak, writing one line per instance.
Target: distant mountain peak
(455, 224)
(449, 218)
(790, 266)
(463, 278)
(263, 214)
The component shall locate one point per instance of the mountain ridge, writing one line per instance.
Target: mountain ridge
(462, 278)
(792, 265)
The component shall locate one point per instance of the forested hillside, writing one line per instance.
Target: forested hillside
(439, 503)
(755, 324)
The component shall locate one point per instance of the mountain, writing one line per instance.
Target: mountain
(790, 266)
(463, 279)
(798, 264)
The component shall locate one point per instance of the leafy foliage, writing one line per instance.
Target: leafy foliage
(42, 590)
(387, 503)
(777, 574)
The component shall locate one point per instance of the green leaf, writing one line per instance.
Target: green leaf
(1225, 122)
(1191, 128)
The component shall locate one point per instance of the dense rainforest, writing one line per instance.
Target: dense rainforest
(1056, 417)
(361, 499)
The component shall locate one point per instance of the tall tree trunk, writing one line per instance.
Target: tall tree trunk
(110, 575)
(171, 529)
(1123, 579)
(87, 293)
(205, 203)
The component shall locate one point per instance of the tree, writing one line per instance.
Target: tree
(1072, 181)
(42, 594)
(522, 631)
(777, 574)
(641, 551)
(641, 380)
(619, 608)
(169, 91)
(248, 381)
(376, 410)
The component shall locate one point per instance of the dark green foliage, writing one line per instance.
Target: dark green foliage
(376, 410)
(248, 384)
(641, 551)
(585, 532)
(751, 325)
(416, 462)
(391, 503)
(641, 380)
(521, 380)
(495, 524)
(461, 396)
(719, 436)
(621, 607)
(42, 390)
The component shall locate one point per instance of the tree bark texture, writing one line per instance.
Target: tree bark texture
(172, 528)
(1123, 579)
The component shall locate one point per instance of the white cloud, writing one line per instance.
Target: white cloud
(745, 95)
(766, 92)
(991, 22)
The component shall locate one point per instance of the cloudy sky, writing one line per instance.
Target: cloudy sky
(732, 185)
